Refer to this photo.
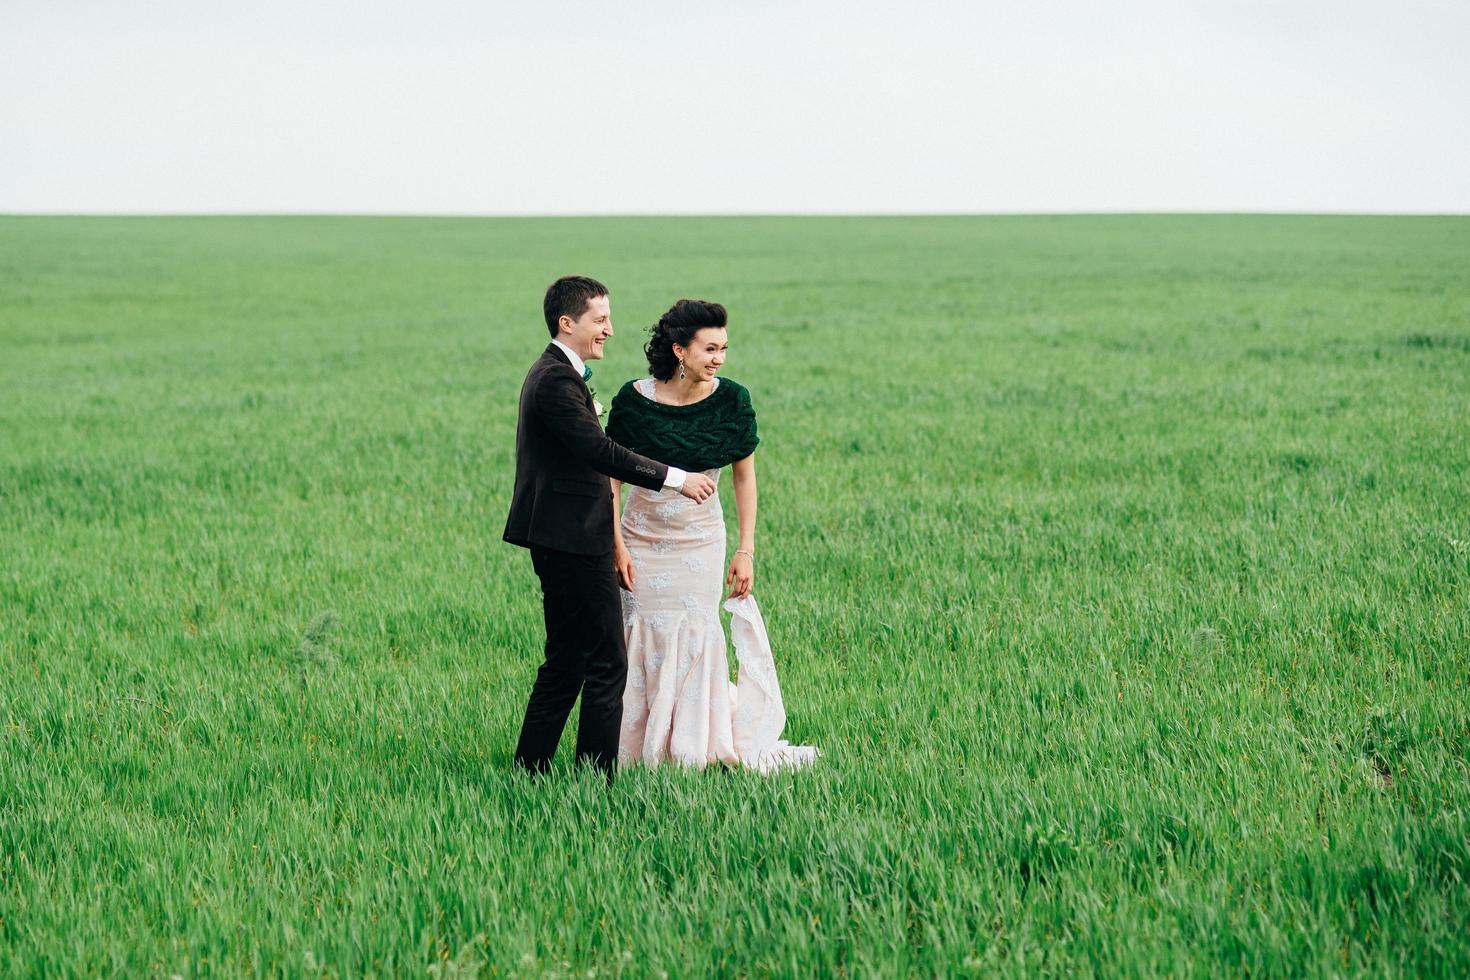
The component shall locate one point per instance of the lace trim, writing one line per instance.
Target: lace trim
(644, 387)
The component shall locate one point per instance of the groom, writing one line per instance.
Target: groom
(562, 510)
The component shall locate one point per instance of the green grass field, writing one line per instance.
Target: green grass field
(1120, 566)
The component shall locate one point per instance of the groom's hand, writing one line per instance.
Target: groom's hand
(698, 487)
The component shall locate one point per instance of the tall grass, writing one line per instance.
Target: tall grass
(1118, 565)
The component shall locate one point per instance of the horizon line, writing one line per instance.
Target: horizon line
(1019, 213)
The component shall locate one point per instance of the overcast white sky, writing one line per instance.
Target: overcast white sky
(689, 106)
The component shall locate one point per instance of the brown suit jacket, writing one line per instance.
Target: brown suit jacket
(562, 499)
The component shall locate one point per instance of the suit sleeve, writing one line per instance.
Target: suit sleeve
(562, 407)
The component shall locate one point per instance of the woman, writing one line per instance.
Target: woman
(679, 703)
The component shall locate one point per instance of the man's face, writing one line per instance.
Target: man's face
(590, 331)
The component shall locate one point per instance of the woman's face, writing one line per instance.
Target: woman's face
(705, 353)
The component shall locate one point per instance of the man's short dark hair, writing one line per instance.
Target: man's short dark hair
(569, 296)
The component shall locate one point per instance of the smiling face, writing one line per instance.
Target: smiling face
(588, 332)
(705, 354)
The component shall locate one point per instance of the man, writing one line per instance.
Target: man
(561, 509)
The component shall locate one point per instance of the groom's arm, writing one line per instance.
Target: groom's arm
(561, 405)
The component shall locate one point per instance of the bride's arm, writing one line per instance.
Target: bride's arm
(622, 560)
(742, 564)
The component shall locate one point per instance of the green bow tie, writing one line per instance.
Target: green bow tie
(586, 372)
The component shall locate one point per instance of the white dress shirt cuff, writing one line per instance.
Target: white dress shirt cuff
(675, 478)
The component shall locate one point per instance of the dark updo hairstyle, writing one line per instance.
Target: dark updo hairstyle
(678, 326)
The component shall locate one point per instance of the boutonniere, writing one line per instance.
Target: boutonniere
(597, 408)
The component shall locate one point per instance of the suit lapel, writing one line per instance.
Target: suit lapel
(556, 355)
(560, 357)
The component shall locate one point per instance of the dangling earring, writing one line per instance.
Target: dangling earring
(681, 369)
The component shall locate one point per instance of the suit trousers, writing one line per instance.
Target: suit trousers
(585, 653)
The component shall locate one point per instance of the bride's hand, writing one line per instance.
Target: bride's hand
(623, 563)
(741, 576)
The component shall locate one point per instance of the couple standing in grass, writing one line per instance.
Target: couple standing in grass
(650, 663)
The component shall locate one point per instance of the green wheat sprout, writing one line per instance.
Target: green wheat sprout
(315, 648)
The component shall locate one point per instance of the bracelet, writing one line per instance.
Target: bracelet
(742, 551)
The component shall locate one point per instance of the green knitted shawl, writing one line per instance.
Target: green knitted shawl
(707, 435)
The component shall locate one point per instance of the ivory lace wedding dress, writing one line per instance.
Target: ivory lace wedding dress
(679, 703)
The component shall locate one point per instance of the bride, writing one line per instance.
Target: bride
(679, 703)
